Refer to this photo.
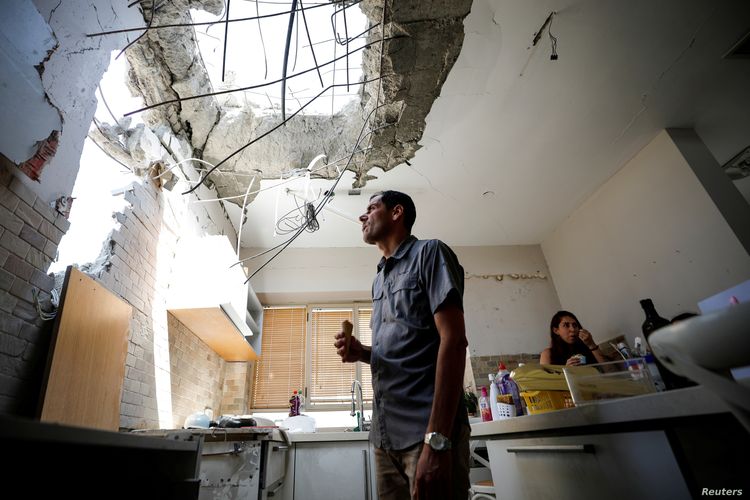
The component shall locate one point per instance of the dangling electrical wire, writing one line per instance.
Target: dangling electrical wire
(325, 199)
(312, 50)
(262, 42)
(226, 37)
(552, 38)
(237, 151)
(205, 23)
(286, 60)
(251, 87)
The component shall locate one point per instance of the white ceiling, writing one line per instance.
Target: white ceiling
(543, 135)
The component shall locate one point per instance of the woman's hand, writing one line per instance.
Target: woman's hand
(586, 338)
(573, 361)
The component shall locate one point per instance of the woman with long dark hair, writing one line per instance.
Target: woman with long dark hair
(569, 341)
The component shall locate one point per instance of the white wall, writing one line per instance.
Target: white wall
(650, 231)
(502, 317)
(62, 98)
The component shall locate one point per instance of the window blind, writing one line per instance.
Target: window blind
(281, 368)
(330, 379)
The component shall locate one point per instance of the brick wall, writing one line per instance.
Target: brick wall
(482, 366)
(197, 373)
(235, 398)
(29, 234)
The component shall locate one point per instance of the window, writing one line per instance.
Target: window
(298, 352)
(281, 368)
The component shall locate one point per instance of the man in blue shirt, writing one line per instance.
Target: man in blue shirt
(419, 427)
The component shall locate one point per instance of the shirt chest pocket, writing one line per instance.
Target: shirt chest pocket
(407, 302)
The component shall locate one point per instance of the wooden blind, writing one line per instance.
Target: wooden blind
(281, 368)
(364, 335)
(330, 379)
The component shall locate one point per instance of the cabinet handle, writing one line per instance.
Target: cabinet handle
(280, 448)
(562, 448)
(366, 461)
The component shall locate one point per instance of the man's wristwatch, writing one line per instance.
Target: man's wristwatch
(437, 441)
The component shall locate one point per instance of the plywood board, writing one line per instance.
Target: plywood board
(213, 327)
(87, 356)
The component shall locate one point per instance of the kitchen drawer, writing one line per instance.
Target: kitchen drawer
(613, 466)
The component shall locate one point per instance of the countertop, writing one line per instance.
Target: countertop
(688, 402)
(327, 436)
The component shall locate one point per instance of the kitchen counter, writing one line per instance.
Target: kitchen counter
(677, 443)
(327, 436)
(631, 412)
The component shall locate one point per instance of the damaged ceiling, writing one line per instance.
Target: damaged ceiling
(406, 58)
(515, 142)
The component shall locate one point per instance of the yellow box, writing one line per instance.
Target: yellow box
(544, 401)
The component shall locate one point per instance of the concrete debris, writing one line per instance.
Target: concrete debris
(166, 64)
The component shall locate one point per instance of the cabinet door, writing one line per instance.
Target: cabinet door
(332, 471)
(613, 466)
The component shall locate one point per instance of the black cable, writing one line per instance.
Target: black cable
(286, 60)
(552, 38)
(251, 87)
(262, 42)
(315, 59)
(204, 23)
(226, 37)
(327, 196)
(148, 27)
(270, 131)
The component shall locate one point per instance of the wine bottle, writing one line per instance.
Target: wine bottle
(652, 323)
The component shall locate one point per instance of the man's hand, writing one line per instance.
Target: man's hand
(433, 476)
(354, 351)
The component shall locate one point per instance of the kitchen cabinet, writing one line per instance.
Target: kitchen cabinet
(613, 466)
(341, 470)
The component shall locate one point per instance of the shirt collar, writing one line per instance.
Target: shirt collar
(403, 247)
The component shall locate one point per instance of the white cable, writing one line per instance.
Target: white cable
(334, 164)
(180, 162)
(242, 216)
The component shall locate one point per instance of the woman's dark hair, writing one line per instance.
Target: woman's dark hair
(560, 350)
(392, 198)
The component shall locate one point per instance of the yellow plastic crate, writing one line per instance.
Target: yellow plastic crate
(544, 401)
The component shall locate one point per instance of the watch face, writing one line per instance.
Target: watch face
(439, 442)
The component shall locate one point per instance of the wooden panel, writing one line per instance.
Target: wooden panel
(87, 356)
(212, 326)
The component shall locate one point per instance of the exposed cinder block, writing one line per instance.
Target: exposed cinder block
(37, 259)
(10, 221)
(28, 215)
(18, 267)
(22, 290)
(33, 237)
(22, 191)
(3, 254)
(12, 345)
(45, 210)
(7, 301)
(8, 199)
(6, 280)
(9, 324)
(50, 250)
(48, 230)
(43, 281)
(26, 311)
(62, 223)
(32, 333)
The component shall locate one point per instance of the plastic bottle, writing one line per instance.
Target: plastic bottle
(484, 406)
(494, 391)
(654, 372)
(501, 378)
(301, 399)
(294, 405)
(517, 400)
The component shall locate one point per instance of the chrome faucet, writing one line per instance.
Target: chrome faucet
(361, 414)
